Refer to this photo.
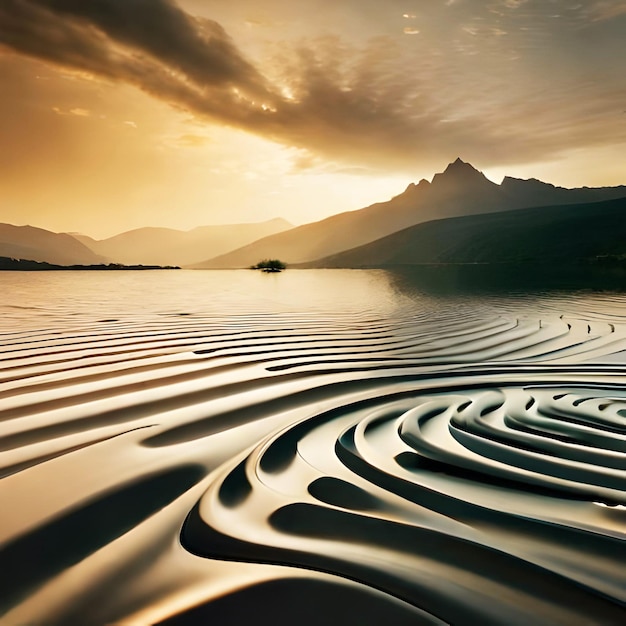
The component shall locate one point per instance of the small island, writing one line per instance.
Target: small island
(270, 266)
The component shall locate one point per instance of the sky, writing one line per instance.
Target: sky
(117, 114)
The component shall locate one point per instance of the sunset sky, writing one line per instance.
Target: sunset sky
(116, 114)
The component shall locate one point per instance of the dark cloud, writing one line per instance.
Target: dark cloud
(387, 105)
(200, 49)
(32, 29)
(140, 41)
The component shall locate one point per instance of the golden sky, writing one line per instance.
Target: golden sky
(117, 114)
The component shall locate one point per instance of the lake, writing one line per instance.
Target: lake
(313, 446)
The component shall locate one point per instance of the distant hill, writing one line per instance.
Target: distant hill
(37, 244)
(553, 235)
(167, 246)
(459, 190)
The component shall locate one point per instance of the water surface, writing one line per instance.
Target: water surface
(340, 445)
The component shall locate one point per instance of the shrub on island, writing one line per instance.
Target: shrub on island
(270, 265)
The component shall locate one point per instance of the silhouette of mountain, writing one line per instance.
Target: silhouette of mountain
(37, 244)
(167, 246)
(533, 192)
(556, 234)
(462, 177)
(459, 190)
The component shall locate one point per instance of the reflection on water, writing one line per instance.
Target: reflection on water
(74, 297)
(382, 446)
(510, 279)
(220, 293)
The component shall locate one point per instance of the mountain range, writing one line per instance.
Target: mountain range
(458, 217)
(563, 234)
(459, 190)
(37, 244)
(167, 246)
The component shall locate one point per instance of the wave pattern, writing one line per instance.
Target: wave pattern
(442, 464)
(478, 504)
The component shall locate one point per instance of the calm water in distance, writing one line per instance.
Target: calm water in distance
(34, 298)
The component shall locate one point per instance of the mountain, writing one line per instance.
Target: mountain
(459, 190)
(166, 246)
(37, 244)
(559, 234)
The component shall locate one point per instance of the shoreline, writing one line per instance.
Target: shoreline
(26, 265)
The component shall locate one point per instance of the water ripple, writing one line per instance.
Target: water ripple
(437, 463)
(455, 482)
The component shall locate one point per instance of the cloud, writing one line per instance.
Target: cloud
(78, 112)
(514, 4)
(192, 141)
(381, 106)
(122, 40)
(484, 30)
(607, 10)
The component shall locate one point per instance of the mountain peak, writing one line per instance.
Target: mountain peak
(459, 166)
(459, 173)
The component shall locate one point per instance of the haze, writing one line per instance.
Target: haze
(116, 115)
